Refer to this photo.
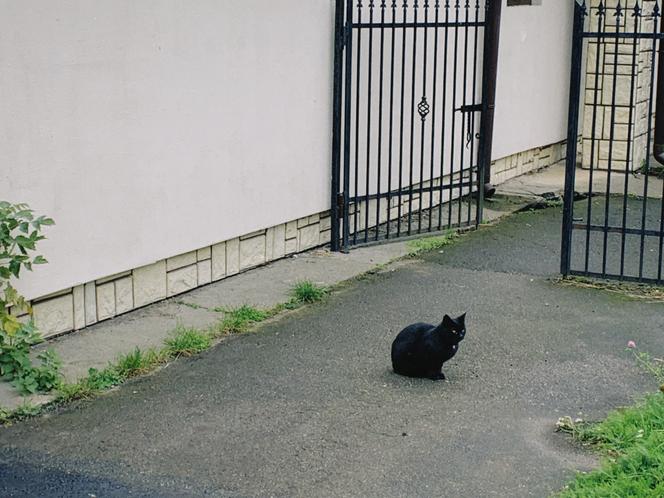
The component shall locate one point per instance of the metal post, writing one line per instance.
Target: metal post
(572, 135)
(336, 123)
(489, 75)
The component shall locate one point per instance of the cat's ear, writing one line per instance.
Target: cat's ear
(462, 319)
(448, 322)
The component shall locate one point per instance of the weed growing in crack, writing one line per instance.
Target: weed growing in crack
(238, 320)
(187, 341)
(307, 292)
(431, 243)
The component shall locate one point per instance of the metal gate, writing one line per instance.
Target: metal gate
(618, 230)
(411, 131)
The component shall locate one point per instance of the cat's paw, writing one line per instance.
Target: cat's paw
(438, 376)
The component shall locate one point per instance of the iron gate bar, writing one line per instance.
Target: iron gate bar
(615, 229)
(444, 115)
(380, 110)
(636, 15)
(423, 110)
(650, 109)
(369, 81)
(357, 113)
(433, 109)
(454, 92)
(600, 21)
(389, 161)
(614, 91)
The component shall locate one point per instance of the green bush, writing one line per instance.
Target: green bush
(20, 231)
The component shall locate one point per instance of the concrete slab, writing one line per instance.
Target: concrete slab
(553, 180)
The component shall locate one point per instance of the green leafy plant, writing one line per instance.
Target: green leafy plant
(20, 230)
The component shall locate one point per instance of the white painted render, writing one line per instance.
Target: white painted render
(149, 128)
(533, 76)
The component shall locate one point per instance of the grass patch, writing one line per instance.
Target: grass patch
(631, 441)
(419, 246)
(634, 291)
(307, 292)
(239, 320)
(187, 341)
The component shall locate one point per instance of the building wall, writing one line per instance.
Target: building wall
(157, 133)
(150, 128)
(533, 76)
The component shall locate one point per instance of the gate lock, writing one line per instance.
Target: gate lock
(470, 108)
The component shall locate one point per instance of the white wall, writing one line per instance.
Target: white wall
(533, 76)
(147, 128)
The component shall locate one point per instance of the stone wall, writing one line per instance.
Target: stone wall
(524, 162)
(89, 303)
(607, 67)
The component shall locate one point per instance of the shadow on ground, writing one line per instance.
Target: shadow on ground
(308, 406)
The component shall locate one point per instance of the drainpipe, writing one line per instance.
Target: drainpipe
(490, 72)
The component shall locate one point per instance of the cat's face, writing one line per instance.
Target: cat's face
(456, 326)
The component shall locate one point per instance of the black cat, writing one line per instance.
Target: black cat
(420, 349)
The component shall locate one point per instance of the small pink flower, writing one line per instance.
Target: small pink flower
(631, 345)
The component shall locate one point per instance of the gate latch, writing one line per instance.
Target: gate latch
(470, 108)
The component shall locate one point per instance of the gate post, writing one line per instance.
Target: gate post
(336, 123)
(489, 75)
(572, 134)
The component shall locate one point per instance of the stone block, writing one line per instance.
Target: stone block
(90, 291)
(182, 280)
(291, 246)
(303, 222)
(181, 261)
(150, 283)
(124, 295)
(203, 254)
(251, 235)
(279, 242)
(233, 256)
(308, 237)
(314, 218)
(204, 272)
(218, 261)
(54, 316)
(110, 278)
(269, 243)
(252, 252)
(105, 301)
(79, 306)
(291, 230)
